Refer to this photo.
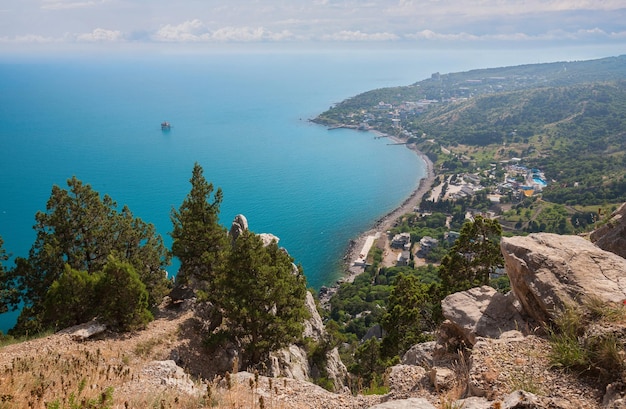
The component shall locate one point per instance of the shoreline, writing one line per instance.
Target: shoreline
(381, 225)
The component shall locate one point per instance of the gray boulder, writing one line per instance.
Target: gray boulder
(482, 312)
(420, 354)
(612, 236)
(404, 379)
(85, 331)
(549, 271)
(412, 403)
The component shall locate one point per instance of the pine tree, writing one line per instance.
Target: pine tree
(81, 230)
(410, 314)
(262, 297)
(199, 241)
(473, 257)
(8, 291)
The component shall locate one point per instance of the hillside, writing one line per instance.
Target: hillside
(566, 118)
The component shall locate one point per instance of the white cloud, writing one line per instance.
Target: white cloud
(101, 35)
(197, 31)
(346, 35)
(29, 38)
(69, 4)
(191, 30)
(314, 20)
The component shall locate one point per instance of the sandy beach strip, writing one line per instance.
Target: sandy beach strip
(383, 224)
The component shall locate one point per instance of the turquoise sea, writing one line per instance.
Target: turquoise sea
(242, 115)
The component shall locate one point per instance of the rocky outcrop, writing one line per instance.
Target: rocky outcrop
(549, 271)
(482, 312)
(239, 225)
(313, 327)
(612, 236)
(290, 362)
(336, 370)
(168, 374)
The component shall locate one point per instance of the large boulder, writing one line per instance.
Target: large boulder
(482, 312)
(290, 362)
(406, 379)
(612, 235)
(549, 271)
(420, 354)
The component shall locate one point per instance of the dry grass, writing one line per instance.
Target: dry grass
(82, 378)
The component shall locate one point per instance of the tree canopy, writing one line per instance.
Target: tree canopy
(261, 296)
(78, 233)
(473, 257)
(199, 241)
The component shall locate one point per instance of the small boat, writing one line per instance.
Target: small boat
(165, 126)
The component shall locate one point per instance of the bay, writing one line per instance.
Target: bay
(243, 116)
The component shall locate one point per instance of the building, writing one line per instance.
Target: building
(427, 243)
(400, 241)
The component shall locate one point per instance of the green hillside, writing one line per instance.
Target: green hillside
(566, 118)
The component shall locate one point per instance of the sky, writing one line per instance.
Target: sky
(26, 23)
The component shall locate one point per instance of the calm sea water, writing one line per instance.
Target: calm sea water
(242, 116)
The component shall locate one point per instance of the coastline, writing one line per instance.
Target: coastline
(383, 224)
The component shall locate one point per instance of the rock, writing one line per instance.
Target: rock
(290, 362)
(171, 375)
(181, 293)
(420, 354)
(268, 238)
(403, 379)
(412, 403)
(612, 236)
(526, 400)
(615, 396)
(442, 379)
(239, 225)
(375, 331)
(549, 271)
(473, 402)
(336, 370)
(84, 331)
(314, 326)
(483, 312)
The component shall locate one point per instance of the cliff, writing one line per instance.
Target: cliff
(493, 351)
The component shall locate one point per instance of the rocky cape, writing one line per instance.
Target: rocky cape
(491, 352)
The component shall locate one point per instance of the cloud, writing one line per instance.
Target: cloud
(346, 35)
(101, 35)
(196, 31)
(224, 21)
(29, 38)
(69, 4)
(191, 30)
(551, 35)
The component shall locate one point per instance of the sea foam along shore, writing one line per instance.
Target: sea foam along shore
(383, 224)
